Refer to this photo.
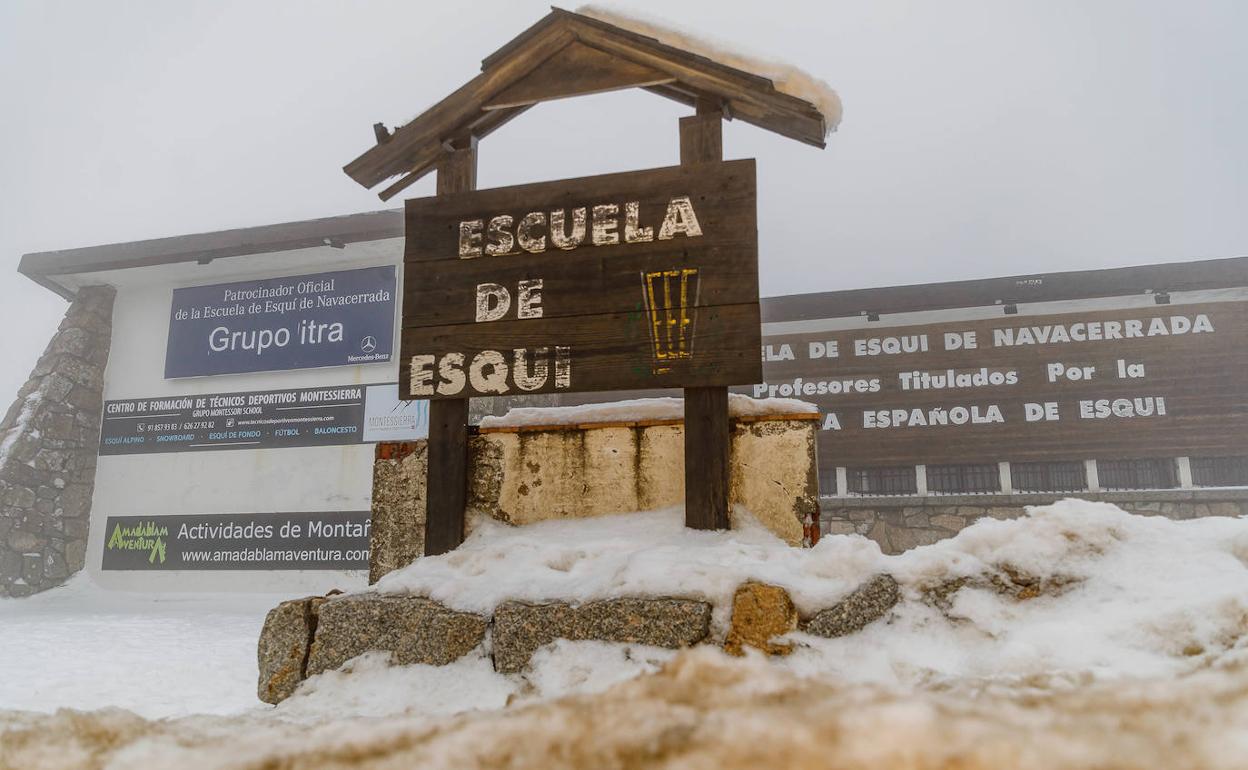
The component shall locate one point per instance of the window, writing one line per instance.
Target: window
(1148, 473)
(1062, 476)
(827, 480)
(963, 479)
(898, 480)
(1219, 471)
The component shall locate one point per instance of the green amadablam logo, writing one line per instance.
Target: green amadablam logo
(144, 536)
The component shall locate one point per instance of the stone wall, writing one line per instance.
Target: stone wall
(48, 445)
(522, 476)
(306, 637)
(901, 523)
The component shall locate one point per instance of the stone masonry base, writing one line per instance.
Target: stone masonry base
(901, 523)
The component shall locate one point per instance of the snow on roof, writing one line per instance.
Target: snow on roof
(786, 77)
(636, 409)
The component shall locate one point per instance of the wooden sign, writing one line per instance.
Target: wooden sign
(646, 279)
(1144, 381)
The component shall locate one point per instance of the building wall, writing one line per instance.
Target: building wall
(48, 444)
(284, 480)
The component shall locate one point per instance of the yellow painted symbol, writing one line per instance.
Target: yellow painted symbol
(667, 296)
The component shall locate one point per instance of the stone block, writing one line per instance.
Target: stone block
(919, 519)
(56, 387)
(520, 629)
(948, 522)
(1004, 513)
(397, 536)
(485, 474)
(879, 532)
(86, 398)
(866, 604)
(774, 474)
(81, 373)
(661, 467)
(75, 528)
(905, 538)
(282, 652)
(55, 567)
(76, 554)
(838, 527)
(1224, 509)
(413, 629)
(20, 497)
(760, 612)
(611, 470)
(24, 542)
(32, 569)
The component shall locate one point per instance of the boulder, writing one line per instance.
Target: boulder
(520, 629)
(283, 649)
(412, 628)
(760, 612)
(866, 604)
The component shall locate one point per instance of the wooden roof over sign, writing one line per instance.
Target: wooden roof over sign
(569, 54)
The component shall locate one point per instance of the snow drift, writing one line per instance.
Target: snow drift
(1127, 646)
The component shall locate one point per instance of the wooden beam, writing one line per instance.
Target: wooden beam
(449, 116)
(446, 480)
(707, 430)
(577, 70)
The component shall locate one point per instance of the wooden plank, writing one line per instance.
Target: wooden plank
(702, 135)
(446, 477)
(707, 432)
(723, 194)
(448, 116)
(445, 292)
(591, 278)
(577, 70)
(610, 351)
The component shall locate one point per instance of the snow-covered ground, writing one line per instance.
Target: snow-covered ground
(1136, 647)
(84, 647)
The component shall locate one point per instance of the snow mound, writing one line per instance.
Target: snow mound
(636, 409)
(787, 78)
(1072, 589)
(703, 710)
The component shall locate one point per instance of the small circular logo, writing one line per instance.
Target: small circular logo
(368, 344)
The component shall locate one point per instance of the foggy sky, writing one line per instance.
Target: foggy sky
(979, 138)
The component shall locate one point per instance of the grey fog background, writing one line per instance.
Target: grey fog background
(979, 138)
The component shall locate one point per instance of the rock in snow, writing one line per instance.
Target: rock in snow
(864, 606)
(760, 612)
(283, 647)
(520, 629)
(412, 629)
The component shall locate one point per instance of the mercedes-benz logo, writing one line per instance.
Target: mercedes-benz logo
(368, 344)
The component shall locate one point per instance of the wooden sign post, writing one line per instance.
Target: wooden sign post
(707, 439)
(645, 279)
(446, 481)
